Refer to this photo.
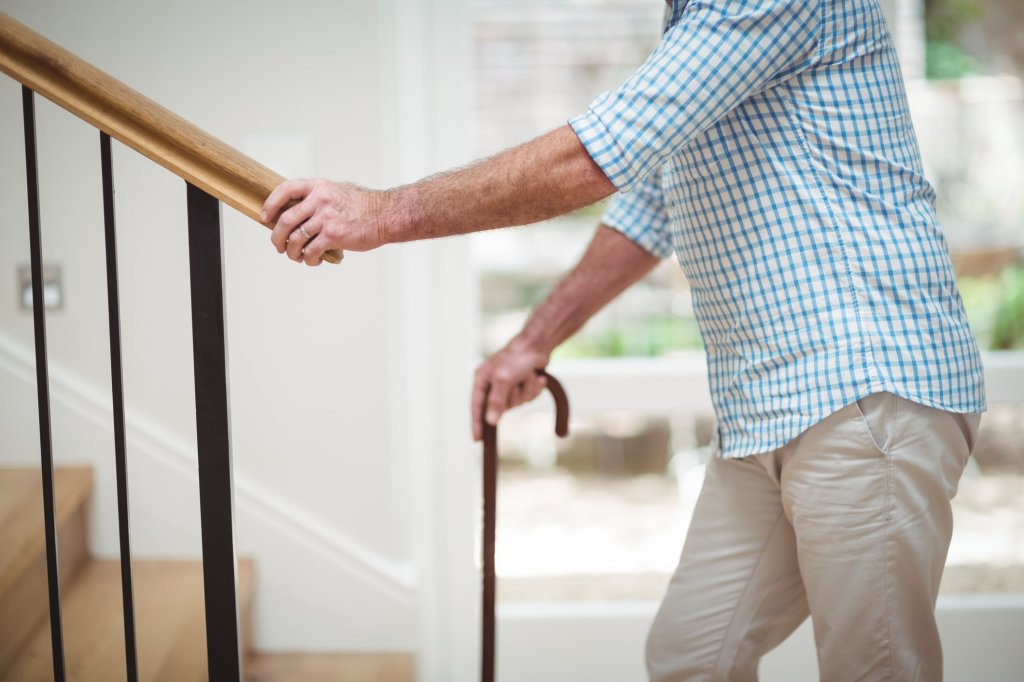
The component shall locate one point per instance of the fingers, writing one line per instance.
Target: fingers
(515, 398)
(289, 190)
(299, 239)
(499, 387)
(533, 387)
(284, 230)
(480, 385)
(527, 390)
(505, 395)
(502, 383)
(314, 251)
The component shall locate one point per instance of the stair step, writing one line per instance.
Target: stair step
(351, 667)
(169, 619)
(23, 582)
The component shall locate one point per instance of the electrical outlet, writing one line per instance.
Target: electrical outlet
(53, 289)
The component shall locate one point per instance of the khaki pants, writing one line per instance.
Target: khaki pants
(850, 523)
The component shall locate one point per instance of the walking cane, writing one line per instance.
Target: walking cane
(490, 514)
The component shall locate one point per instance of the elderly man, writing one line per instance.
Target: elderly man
(768, 145)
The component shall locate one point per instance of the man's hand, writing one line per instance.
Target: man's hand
(324, 215)
(507, 379)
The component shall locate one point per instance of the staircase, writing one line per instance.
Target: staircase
(168, 594)
(169, 613)
(169, 599)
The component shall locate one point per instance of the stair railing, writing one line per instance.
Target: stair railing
(214, 172)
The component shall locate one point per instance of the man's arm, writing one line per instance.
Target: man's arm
(546, 177)
(612, 263)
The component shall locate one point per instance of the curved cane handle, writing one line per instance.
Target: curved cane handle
(561, 404)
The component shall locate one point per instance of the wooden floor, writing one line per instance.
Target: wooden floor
(383, 667)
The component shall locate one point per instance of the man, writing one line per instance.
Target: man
(767, 143)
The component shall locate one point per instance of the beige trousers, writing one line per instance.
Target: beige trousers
(848, 523)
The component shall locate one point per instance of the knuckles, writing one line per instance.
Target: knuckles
(504, 376)
(330, 230)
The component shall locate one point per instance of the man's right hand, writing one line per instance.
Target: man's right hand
(505, 380)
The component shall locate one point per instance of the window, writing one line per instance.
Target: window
(968, 109)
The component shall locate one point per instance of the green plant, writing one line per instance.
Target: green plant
(642, 337)
(945, 21)
(1008, 328)
(946, 60)
(995, 308)
(981, 298)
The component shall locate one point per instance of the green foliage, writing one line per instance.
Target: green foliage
(645, 337)
(981, 298)
(945, 21)
(946, 60)
(995, 308)
(1008, 330)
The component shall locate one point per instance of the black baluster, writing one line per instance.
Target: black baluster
(42, 383)
(117, 391)
(213, 432)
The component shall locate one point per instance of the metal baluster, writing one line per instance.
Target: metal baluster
(213, 433)
(42, 383)
(117, 391)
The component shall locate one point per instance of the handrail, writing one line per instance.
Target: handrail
(137, 121)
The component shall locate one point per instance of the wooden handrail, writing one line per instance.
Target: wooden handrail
(137, 121)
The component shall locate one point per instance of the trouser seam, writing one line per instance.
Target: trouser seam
(886, 530)
(890, 442)
(746, 588)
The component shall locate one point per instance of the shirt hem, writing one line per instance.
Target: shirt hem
(974, 407)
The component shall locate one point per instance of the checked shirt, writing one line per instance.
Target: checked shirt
(768, 145)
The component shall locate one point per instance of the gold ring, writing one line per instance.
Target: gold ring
(302, 229)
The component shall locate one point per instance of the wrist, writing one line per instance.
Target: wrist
(535, 342)
(398, 215)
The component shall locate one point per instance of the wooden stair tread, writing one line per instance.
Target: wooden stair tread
(303, 667)
(23, 574)
(21, 513)
(185, 658)
(168, 611)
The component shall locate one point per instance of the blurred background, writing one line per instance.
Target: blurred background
(601, 516)
(356, 482)
(622, 486)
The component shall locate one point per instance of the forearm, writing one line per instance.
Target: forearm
(611, 263)
(509, 377)
(546, 177)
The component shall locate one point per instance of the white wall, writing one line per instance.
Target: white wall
(321, 465)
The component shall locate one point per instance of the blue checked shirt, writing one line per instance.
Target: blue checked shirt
(768, 144)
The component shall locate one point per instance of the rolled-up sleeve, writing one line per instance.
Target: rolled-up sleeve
(713, 57)
(641, 215)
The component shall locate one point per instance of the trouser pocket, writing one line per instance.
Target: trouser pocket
(877, 415)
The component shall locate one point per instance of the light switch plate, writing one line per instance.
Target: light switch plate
(53, 288)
